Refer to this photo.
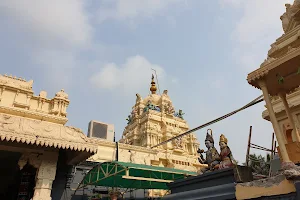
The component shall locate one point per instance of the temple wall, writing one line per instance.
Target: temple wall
(17, 98)
(141, 155)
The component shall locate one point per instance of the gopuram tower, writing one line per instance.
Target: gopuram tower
(154, 120)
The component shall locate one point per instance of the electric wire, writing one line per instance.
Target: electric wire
(252, 103)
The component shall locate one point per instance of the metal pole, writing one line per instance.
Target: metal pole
(275, 144)
(248, 148)
(272, 153)
(117, 151)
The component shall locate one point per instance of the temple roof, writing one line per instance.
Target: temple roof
(155, 98)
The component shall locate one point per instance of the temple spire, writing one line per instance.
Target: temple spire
(153, 86)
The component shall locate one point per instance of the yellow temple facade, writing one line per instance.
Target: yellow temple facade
(33, 138)
(154, 120)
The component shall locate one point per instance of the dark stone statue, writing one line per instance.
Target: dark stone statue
(212, 156)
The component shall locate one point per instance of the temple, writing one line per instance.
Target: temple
(151, 121)
(42, 156)
(36, 144)
(154, 120)
(34, 140)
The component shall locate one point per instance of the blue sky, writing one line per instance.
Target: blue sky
(101, 52)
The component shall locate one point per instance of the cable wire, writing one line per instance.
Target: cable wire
(255, 101)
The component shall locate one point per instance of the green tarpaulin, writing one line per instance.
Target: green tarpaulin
(135, 176)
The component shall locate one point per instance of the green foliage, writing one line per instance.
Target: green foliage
(280, 79)
(260, 164)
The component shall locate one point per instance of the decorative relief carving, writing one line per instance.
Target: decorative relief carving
(44, 133)
(8, 123)
(289, 18)
(71, 133)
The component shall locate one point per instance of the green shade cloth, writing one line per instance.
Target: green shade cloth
(127, 175)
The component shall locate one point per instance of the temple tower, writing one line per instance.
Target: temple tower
(154, 120)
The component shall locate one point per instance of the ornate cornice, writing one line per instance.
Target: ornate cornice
(45, 134)
(260, 73)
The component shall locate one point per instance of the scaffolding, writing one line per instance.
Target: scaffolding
(255, 146)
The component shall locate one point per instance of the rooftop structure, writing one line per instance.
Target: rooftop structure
(277, 77)
(154, 120)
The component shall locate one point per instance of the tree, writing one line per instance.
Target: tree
(259, 163)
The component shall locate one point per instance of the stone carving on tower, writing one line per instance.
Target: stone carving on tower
(154, 120)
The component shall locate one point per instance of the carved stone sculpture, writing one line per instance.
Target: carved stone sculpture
(212, 155)
(138, 98)
(227, 160)
(178, 143)
(289, 15)
(169, 109)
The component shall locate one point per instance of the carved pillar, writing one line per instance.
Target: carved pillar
(278, 133)
(148, 140)
(192, 148)
(45, 176)
(295, 134)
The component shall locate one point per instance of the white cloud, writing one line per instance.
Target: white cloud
(50, 32)
(132, 9)
(133, 75)
(62, 20)
(257, 28)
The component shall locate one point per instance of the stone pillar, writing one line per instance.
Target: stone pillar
(295, 135)
(275, 124)
(45, 176)
(148, 140)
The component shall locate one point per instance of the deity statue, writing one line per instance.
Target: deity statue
(179, 114)
(134, 113)
(227, 160)
(169, 109)
(212, 155)
(289, 15)
(149, 106)
(129, 119)
(178, 143)
(138, 98)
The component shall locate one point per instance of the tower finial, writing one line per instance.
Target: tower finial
(153, 86)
